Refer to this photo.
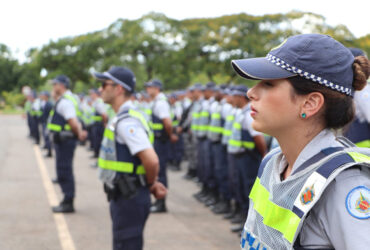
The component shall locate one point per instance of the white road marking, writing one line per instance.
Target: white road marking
(65, 237)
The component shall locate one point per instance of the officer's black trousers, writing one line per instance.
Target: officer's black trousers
(64, 152)
(128, 220)
(161, 147)
(221, 170)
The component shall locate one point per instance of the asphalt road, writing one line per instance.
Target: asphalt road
(26, 193)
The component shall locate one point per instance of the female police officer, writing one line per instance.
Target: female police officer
(312, 192)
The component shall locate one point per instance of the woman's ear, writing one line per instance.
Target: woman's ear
(312, 104)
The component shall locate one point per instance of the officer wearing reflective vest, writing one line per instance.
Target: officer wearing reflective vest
(359, 130)
(128, 165)
(246, 148)
(46, 107)
(100, 119)
(214, 136)
(35, 113)
(187, 127)
(314, 191)
(228, 113)
(174, 152)
(218, 120)
(27, 109)
(163, 133)
(65, 129)
(205, 160)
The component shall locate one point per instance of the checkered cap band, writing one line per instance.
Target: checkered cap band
(279, 62)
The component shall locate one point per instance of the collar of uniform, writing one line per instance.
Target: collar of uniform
(160, 96)
(68, 92)
(126, 105)
(324, 139)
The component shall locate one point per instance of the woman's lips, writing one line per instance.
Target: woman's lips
(253, 111)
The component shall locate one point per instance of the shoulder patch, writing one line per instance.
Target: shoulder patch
(358, 202)
(130, 130)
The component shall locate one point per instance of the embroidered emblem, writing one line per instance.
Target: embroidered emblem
(130, 130)
(307, 195)
(358, 202)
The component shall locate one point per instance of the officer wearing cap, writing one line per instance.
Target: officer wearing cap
(246, 146)
(65, 129)
(218, 119)
(359, 130)
(185, 127)
(316, 183)
(99, 118)
(228, 113)
(35, 115)
(128, 165)
(163, 132)
(205, 165)
(46, 107)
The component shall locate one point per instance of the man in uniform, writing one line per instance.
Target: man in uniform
(46, 107)
(247, 147)
(99, 118)
(162, 126)
(65, 128)
(128, 165)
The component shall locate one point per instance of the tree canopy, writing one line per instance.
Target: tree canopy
(178, 52)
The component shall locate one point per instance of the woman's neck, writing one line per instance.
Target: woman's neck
(293, 141)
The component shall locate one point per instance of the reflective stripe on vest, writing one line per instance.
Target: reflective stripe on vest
(56, 127)
(363, 144)
(194, 121)
(52, 126)
(288, 222)
(240, 143)
(108, 158)
(228, 125)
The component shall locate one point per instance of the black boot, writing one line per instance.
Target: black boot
(201, 193)
(48, 154)
(159, 206)
(237, 228)
(223, 207)
(233, 212)
(239, 218)
(66, 206)
(213, 199)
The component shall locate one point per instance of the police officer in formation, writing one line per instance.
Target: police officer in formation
(312, 192)
(219, 130)
(163, 133)
(46, 107)
(99, 120)
(359, 130)
(66, 129)
(128, 164)
(35, 114)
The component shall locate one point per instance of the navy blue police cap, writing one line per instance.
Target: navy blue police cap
(120, 75)
(239, 90)
(210, 86)
(62, 79)
(316, 57)
(154, 83)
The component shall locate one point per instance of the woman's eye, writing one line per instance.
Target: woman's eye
(268, 84)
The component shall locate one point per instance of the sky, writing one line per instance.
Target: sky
(25, 24)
